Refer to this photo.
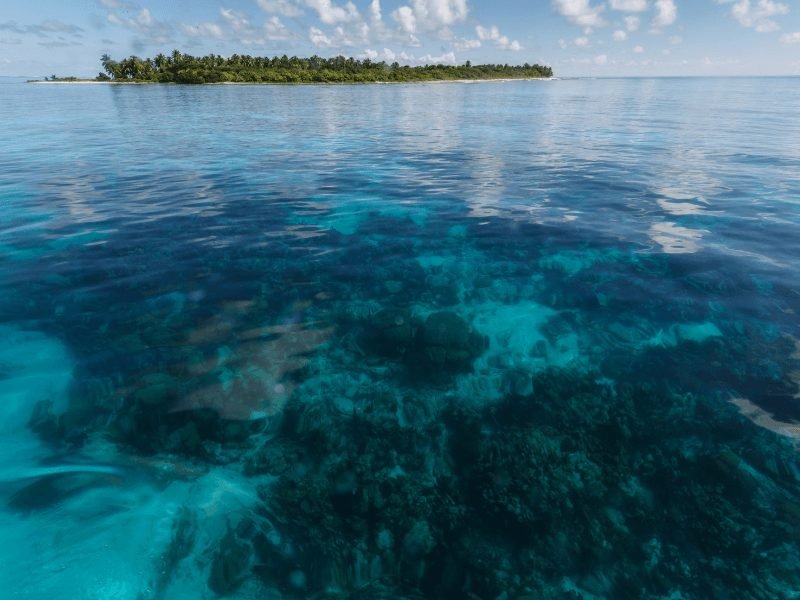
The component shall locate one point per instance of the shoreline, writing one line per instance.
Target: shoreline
(93, 82)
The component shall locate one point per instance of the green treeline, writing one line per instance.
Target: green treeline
(184, 68)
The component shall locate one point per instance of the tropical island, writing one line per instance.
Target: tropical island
(185, 68)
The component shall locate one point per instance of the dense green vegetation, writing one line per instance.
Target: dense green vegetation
(55, 78)
(184, 68)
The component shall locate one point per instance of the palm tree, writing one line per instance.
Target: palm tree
(160, 61)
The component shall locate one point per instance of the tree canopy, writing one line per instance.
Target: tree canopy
(184, 68)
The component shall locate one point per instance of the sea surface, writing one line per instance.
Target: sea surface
(501, 340)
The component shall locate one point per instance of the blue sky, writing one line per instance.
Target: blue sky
(576, 37)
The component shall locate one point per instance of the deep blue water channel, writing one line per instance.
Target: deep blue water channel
(491, 341)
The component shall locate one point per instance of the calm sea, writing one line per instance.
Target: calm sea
(498, 340)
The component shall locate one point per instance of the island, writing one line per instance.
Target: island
(185, 68)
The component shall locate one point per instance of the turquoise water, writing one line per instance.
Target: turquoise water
(495, 340)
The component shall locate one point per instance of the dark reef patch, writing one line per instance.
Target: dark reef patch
(615, 489)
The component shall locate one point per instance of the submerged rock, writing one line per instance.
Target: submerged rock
(390, 332)
(447, 341)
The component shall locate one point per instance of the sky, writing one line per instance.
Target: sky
(597, 38)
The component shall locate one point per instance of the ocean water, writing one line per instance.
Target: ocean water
(494, 340)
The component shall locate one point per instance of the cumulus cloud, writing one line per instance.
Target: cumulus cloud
(439, 13)
(389, 55)
(236, 20)
(666, 13)
(501, 41)
(580, 12)
(339, 37)
(275, 30)
(791, 38)
(204, 30)
(280, 7)
(632, 23)
(330, 14)
(375, 11)
(426, 15)
(142, 22)
(757, 15)
(620, 36)
(629, 5)
(406, 18)
(318, 38)
(115, 4)
(448, 58)
(466, 44)
(582, 42)
(638, 50)
(600, 59)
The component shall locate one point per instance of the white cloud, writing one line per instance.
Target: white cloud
(390, 56)
(319, 39)
(375, 11)
(405, 18)
(791, 38)
(629, 5)
(494, 35)
(143, 22)
(380, 31)
(638, 50)
(204, 30)
(563, 44)
(632, 23)
(675, 40)
(666, 13)
(580, 12)
(275, 30)
(600, 59)
(582, 42)
(339, 37)
(438, 13)
(236, 20)
(446, 58)
(280, 7)
(465, 44)
(620, 36)
(330, 14)
(114, 4)
(429, 15)
(759, 15)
